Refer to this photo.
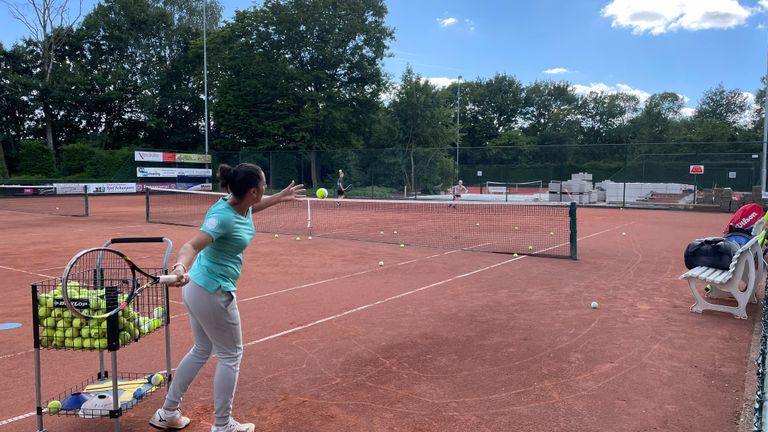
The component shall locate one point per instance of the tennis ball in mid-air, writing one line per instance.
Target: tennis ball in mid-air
(381, 263)
(322, 193)
(594, 305)
(156, 379)
(54, 407)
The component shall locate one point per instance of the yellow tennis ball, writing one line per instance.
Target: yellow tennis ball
(54, 407)
(156, 380)
(530, 247)
(402, 245)
(381, 263)
(322, 193)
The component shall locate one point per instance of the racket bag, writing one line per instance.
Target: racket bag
(715, 252)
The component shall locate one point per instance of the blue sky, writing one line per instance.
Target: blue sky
(638, 46)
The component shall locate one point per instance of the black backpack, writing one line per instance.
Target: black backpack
(715, 252)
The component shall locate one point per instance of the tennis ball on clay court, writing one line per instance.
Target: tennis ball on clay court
(530, 247)
(551, 233)
(309, 238)
(381, 263)
(594, 305)
(402, 245)
(277, 235)
(623, 233)
(477, 224)
(156, 379)
(298, 238)
(322, 193)
(516, 228)
(381, 232)
(394, 232)
(515, 255)
(54, 407)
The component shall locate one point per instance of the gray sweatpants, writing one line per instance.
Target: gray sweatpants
(215, 322)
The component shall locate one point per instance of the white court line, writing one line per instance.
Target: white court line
(27, 272)
(17, 418)
(370, 305)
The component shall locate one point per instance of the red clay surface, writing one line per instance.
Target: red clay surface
(434, 341)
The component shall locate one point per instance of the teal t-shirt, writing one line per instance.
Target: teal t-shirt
(219, 265)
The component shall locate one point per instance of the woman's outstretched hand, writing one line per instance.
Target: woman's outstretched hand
(292, 192)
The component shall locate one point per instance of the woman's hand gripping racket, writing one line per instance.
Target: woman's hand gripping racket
(100, 282)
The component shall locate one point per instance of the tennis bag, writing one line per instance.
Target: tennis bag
(715, 252)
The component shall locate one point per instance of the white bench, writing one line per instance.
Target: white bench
(497, 189)
(739, 282)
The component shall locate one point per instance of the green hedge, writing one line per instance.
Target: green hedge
(36, 160)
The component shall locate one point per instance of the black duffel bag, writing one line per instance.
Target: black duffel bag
(715, 252)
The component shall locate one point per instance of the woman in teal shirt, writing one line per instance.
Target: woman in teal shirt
(214, 258)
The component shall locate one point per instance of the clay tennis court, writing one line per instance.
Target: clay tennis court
(436, 340)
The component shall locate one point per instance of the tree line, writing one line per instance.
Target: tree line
(301, 75)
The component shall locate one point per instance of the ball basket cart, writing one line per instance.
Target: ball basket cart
(99, 313)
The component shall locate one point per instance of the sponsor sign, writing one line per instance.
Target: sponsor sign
(94, 188)
(731, 174)
(193, 158)
(172, 172)
(170, 157)
(148, 156)
(697, 169)
(479, 173)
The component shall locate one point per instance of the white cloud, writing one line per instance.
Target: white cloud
(445, 22)
(687, 112)
(605, 88)
(470, 24)
(661, 16)
(763, 4)
(441, 82)
(555, 71)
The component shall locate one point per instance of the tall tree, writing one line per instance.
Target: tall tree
(550, 112)
(335, 49)
(660, 111)
(424, 127)
(49, 23)
(727, 106)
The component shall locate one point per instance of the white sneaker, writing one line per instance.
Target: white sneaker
(169, 420)
(234, 426)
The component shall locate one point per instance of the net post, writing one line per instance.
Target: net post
(85, 192)
(572, 218)
(146, 204)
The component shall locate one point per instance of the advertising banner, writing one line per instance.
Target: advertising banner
(172, 172)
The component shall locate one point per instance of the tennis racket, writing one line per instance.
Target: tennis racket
(347, 188)
(100, 282)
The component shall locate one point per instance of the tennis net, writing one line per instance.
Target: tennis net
(44, 199)
(534, 229)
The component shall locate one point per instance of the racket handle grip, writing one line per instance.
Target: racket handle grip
(169, 279)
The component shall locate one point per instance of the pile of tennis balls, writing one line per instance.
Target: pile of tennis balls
(60, 329)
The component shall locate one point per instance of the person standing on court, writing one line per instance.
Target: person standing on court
(456, 191)
(208, 267)
(340, 185)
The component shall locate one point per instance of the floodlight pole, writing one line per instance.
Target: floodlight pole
(765, 137)
(205, 75)
(458, 128)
